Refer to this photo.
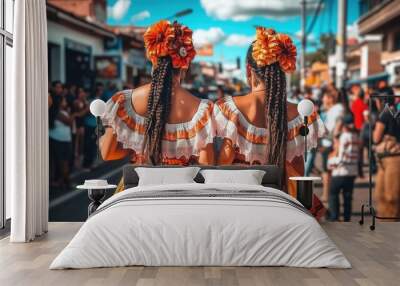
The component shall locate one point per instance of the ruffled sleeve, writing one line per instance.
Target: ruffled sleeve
(126, 124)
(295, 145)
(189, 138)
(226, 121)
(249, 141)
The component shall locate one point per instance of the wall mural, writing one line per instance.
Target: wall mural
(173, 110)
(148, 124)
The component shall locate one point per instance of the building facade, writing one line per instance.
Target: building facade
(379, 25)
(83, 49)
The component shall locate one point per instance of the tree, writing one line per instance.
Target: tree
(327, 47)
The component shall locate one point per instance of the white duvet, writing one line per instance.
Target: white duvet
(190, 231)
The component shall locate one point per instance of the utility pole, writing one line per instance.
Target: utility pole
(303, 46)
(341, 40)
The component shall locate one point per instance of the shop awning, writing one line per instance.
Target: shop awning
(370, 79)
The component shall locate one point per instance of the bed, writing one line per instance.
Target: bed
(201, 224)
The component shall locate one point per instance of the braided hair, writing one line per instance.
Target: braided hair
(158, 107)
(275, 108)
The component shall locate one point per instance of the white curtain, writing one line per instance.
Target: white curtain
(26, 123)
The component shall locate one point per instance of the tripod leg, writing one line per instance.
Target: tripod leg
(372, 227)
(361, 222)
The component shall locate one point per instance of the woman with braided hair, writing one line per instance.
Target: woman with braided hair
(262, 127)
(161, 123)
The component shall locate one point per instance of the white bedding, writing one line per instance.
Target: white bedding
(183, 231)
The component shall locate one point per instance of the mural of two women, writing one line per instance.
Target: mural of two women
(161, 123)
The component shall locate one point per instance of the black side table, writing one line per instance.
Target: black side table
(305, 190)
(96, 195)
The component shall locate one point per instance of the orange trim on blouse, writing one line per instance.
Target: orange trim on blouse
(234, 117)
(253, 138)
(187, 134)
(179, 131)
(182, 161)
(120, 98)
(168, 136)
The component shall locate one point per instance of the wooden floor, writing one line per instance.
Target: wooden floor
(375, 257)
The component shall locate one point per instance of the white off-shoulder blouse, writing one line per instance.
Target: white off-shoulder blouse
(250, 141)
(181, 142)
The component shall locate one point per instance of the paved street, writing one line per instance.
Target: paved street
(360, 196)
(72, 205)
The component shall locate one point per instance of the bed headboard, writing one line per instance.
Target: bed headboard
(272, 177)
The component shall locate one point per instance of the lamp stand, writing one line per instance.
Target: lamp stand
(98, 136)
(304, 132)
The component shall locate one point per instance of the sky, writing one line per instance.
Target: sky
(229, 24)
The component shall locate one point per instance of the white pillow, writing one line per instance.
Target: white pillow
(166, 176)
(248, 177)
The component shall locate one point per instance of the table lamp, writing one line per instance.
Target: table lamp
(305, 109)
(97, 108)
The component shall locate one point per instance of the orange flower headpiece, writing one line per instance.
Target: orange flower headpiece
(166, 39)
(270, 47)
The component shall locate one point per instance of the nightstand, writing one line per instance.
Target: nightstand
(305, 190)
(96, 195)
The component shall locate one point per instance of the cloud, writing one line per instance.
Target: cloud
(240, 10)
(140, 16)
(213, 35)
(238, 40)
(119, 9)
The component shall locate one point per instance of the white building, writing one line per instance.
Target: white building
(73, 42)
(82, 51)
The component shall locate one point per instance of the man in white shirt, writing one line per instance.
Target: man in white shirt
(344, 163)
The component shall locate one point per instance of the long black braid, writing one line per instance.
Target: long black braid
(276, 121)
(158, 107)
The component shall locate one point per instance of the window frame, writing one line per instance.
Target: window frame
(6, 39)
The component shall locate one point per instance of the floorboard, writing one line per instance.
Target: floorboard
(375, 257)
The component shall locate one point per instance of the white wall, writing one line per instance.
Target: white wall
(58, 33)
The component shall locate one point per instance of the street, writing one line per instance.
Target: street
(71, 205)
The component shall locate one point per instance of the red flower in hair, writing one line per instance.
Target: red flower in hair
(265, 47)
(181, 47)
(287, 53)
(270, 47)
(156, 40)
(262, 31)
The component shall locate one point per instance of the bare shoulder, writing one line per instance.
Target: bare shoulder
(189, 98)
(189, 95)
(241, 101)
(184, 106)
(186, 101)
(140, 98)
(141, 92)
(292, 111)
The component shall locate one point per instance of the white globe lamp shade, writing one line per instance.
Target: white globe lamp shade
(305, 107)
(97, 107)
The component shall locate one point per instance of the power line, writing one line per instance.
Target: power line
(315, 17)
(330, 15)
(322, 22)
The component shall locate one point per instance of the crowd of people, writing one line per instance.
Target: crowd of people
(348, 118)
(72, 137)
(346, 115)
